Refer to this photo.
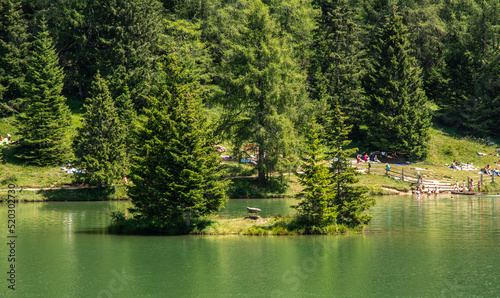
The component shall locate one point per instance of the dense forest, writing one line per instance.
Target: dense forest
(253, 72)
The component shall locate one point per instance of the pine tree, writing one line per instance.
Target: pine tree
(100, 144)
(44, 123)
(397, 117)
(317, 207)
(351, 200)
(176, 172)
(13, 52)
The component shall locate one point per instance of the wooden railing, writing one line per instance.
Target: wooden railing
(407, 174)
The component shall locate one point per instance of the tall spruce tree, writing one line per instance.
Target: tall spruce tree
(351, 199)
(427, 31)
(176, 171)
(339, 57)
(44, 123)
(330, 195)
(397, 117)
(473, 70)
(13, 52)
(463, 60)
(265, 95)
(100, 145)
(124, 42)
(128, 117)
(317, 207)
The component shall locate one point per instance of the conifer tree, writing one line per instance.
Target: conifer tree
(351, 200)
(337, 68)
(124, 43)
(297, 21)
(265, 95)
(330, 194)
(44, 123)
(176, 171)
(100, 144)
(397, 116)
(13, 52)
(128, 117)
(317, 207)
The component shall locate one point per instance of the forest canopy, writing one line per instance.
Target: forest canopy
(266, 68)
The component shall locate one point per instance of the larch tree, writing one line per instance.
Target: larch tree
(265, 94)
(100, 145)
(175, 173)
(396, 113)
(44, 123)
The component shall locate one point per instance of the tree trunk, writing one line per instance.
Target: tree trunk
(80, 87)
(188, 219)
(261, 168)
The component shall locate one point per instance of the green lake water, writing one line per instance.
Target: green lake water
(413, 247)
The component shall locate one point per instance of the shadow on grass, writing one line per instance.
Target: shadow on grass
(9, 155)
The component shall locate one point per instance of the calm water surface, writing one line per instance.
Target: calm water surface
(427, 247)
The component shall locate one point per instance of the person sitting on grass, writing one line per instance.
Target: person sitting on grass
(487, 170)
(455, 166)
(375, 159)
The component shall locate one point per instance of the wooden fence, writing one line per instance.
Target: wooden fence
(408, 174)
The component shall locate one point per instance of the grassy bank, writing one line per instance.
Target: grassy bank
(445, 146)
(271, 226)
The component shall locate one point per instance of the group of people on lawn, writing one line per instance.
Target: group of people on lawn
(456, 165)
(365, 158)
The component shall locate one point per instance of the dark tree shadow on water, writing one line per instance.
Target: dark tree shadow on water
(80, 194)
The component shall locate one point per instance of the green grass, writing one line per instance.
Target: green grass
(445, 145)
(212, 225)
